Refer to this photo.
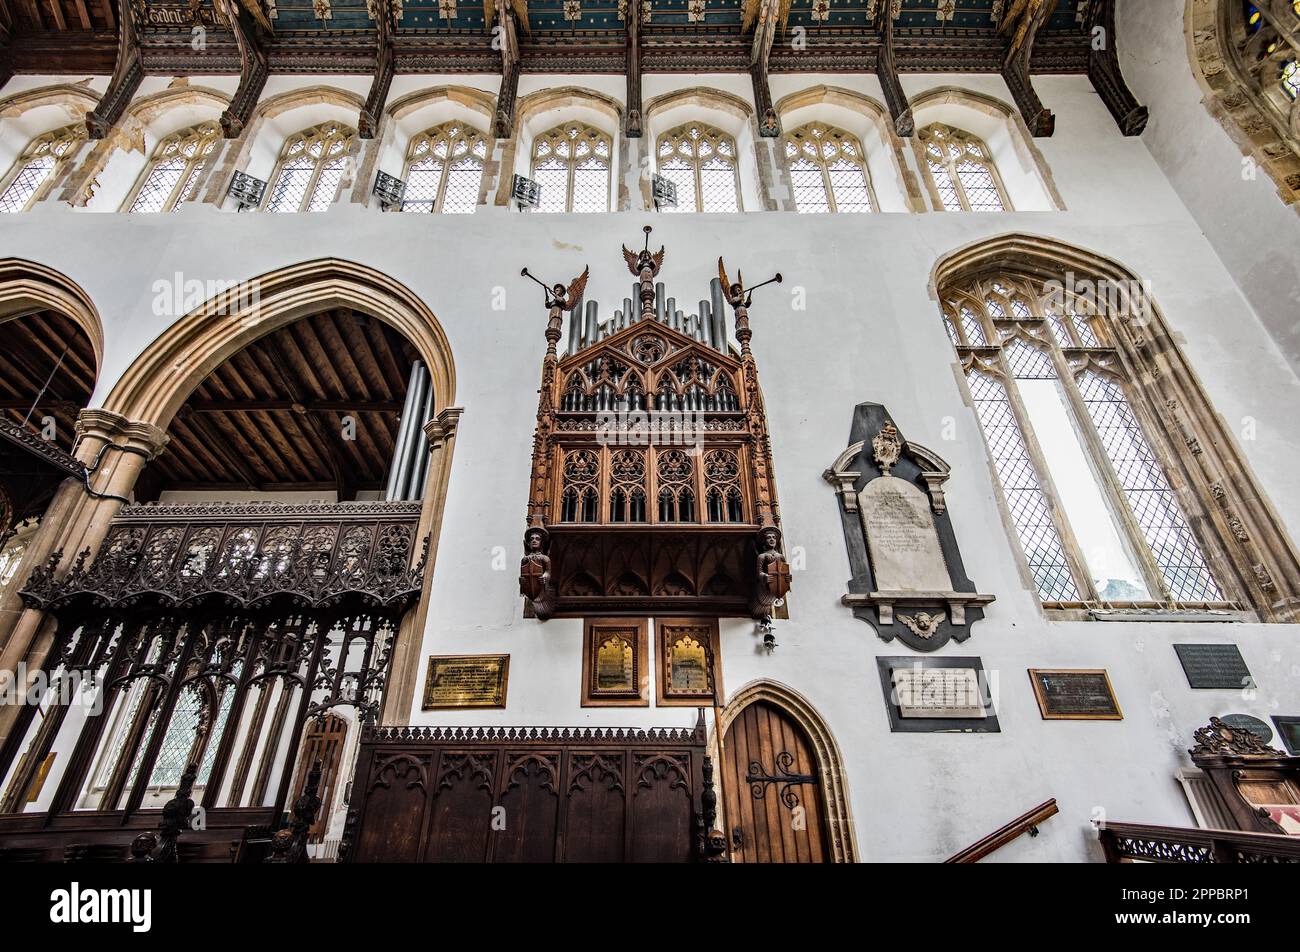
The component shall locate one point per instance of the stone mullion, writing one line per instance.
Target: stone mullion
(1047, 486)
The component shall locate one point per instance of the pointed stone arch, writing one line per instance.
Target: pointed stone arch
(830, 762)
(1245, 542)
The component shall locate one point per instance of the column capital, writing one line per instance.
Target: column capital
(443, 427)
(105, 426)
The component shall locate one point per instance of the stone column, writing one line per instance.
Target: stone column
(115, 449)
(404, 677)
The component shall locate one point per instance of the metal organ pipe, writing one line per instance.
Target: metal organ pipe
(702, 322)
(659, 302)
(420, 464)
(403, 431)
(718, 316)
(575, 328)
(589, 337)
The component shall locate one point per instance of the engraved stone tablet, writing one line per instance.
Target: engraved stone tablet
(1075, 695)
(1214, 666)
(938, 692)
(901, 538)
(456, 681)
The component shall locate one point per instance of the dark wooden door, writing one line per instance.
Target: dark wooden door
(775, 809)
(323, 740)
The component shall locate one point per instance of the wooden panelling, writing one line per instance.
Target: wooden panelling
(526, 795)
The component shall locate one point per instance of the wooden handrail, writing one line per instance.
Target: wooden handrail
(1026, 823)
(1170, 844)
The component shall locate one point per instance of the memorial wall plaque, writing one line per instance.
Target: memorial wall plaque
(1214, 666)
(901, 538)
(927, 694)
(615, 672)
(688, 661)
(1248, 722)
(461, 681)
(1075, 695)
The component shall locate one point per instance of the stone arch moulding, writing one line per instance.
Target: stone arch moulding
(506, 151)
(129, 134)
(875, 114)
(238, 152)
(25, 285)
(1022, 141)
(1243, 538)
(830, 763)
(1235, 103)
(75, 100)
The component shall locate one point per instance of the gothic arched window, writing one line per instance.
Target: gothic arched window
(701, 162)
(38, 166)
(310, 169)
(1098, 518)
(173, 172)
(827, 171)
(572, 164)
(961, 167)
(444, 169)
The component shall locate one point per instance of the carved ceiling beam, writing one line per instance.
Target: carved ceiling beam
(506, 34)
(632, 123)
(1104, 71)
(769, 124)
(253, 68)
(900, 110)
(1020, 25)
(127, 74)
(385, 29)
(6, 38)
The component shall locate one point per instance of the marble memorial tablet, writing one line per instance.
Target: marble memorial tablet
(938, 692)
(456, 681)
(1214, 666)
(901, 537)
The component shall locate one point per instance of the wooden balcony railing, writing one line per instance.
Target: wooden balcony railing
(1138, 843)
(1026, 823)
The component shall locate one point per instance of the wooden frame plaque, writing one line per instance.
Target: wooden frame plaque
(687, 653)
(615, 662)
(466, 681)
(1075, 694)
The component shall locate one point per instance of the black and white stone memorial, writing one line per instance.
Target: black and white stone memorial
(908, 580)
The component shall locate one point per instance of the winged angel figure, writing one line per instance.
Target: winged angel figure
(1022, 20)
(568, 298)
(639, 261)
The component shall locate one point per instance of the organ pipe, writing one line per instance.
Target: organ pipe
(398, 472)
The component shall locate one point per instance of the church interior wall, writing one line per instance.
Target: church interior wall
(869, 330)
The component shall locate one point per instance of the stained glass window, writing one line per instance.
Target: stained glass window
(444, 169)
(701, 162)
(36, 167)
(572, 164)
(173, 171)
(827, 171)
(311, 167)
(1097, 518)
(962, 170)
(1291, 79)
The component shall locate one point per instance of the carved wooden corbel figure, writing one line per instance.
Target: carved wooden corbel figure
(773, 573)
(535, 582)
(373, 110)
(253, 68)
(127, 72)
(900, 110)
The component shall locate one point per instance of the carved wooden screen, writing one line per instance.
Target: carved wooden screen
(565, 795)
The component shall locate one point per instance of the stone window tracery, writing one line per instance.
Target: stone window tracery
(172, 175)
(311, 168)
(702, 162)
(444, 169)
(827, 171)
(962, 169)
(572, 164)
(1096, 515)
(38, 167)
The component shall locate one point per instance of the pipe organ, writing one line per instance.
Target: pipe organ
(651, 485)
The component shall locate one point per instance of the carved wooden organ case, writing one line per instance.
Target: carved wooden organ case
(652, 486)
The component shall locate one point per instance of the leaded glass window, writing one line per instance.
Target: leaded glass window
(827, 172)
(311, 168)
(444, 169)
(1096, 516)
(572, 164)
(172, 174)
(37, 165)
(701, 162)
(962, 170)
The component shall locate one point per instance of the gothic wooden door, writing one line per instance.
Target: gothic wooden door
(775, 809)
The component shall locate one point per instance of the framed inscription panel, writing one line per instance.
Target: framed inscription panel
(615, 663)
(687, 649)
(1075, 695)
(1214, 666)
(461, 681)
(1288, 731)
(925, 694)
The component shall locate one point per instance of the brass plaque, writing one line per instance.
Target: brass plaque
(457, 681)
(688, 661)
(688, 667)
(615, 667)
